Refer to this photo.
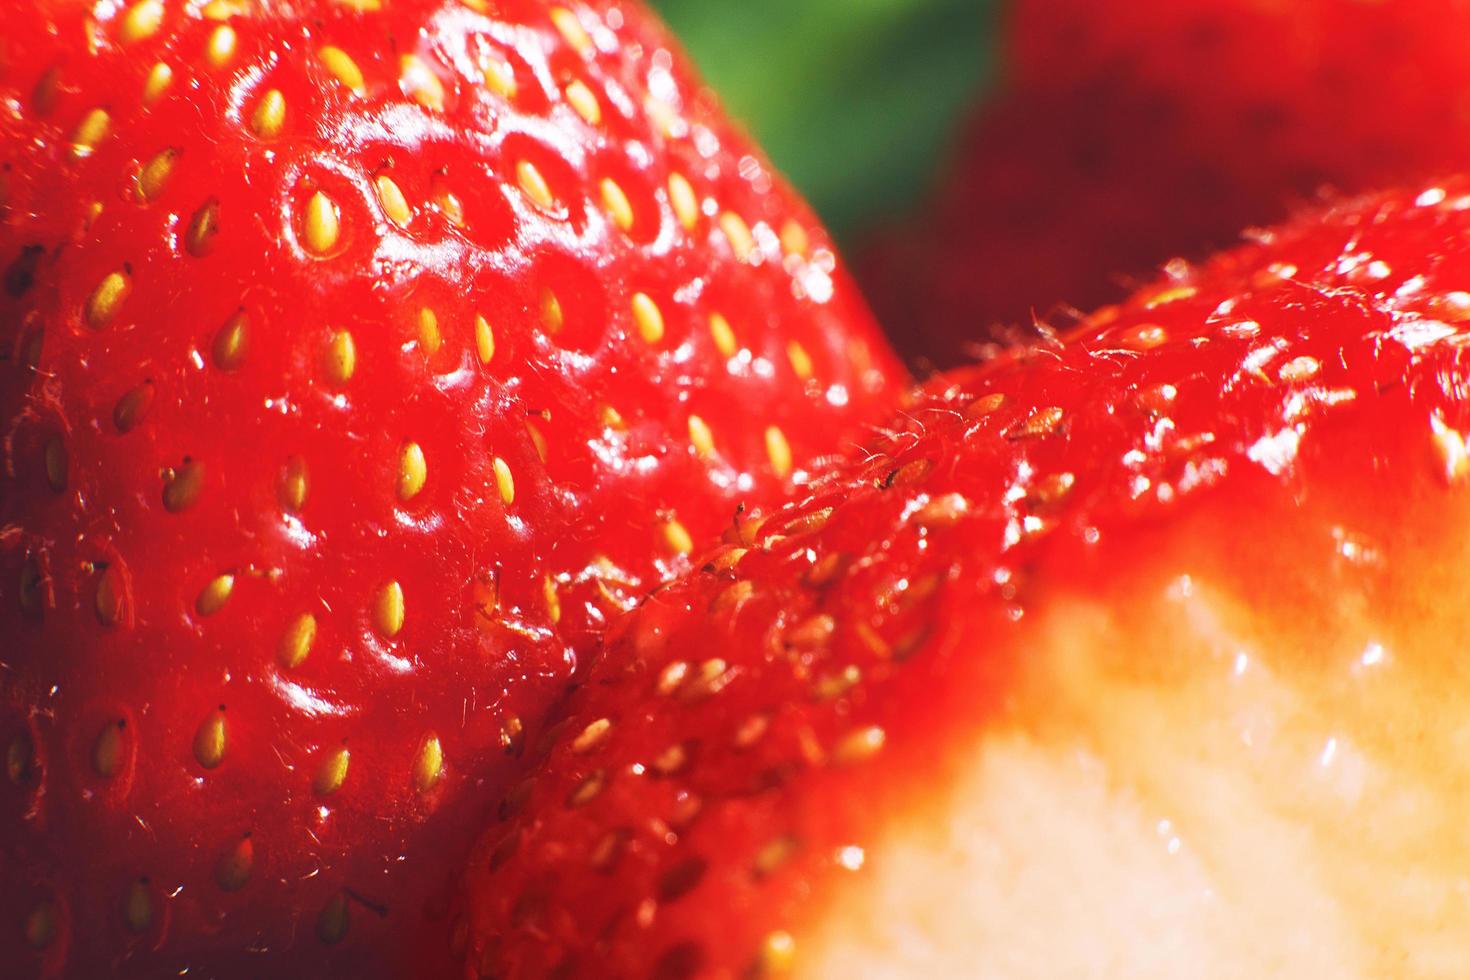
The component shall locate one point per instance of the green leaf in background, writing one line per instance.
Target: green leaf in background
(853, 99)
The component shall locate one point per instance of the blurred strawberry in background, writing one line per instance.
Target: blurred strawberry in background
(1129, 133)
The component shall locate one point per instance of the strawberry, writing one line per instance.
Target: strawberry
(1129, 133)
(1137, 653)
(360, 361)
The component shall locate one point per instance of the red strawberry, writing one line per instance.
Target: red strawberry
(1138, 654)
(1131, 132)
(361, 359)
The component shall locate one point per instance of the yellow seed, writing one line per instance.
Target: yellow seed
(1041, 422)
(182, 488)
(672, 677)
(1300, 369)
(212, 597)
(617, 204)
(671, 760)
(333, 920)
(388, 610)
(295, 645)
(420, 82)
(107, 750)
(1145, 336)
(1170, 294)
(430, 339)
(666, 118)
(701, 436)
(551, 314)
(512, 740)
(209, 740)
(945, 510)
(160, 77)
(611, 418)
(323, 225)
(778, 953)
(712, 676)
(1048, 490)
(154, 176)
(138, 907)
(723, 335)
(109, 602)
(504, 481)
(394, 204)
(142, 21)
(572, 30)
(649, 318)
(985, 405)
(534, 185)
(450, 207)
(223, 10)
(232, 343)
(343, 68)
(676, 537)
(269, 115)
(199, 239)
(20, 760)
(484, 339)
(737, 232)
(41, 926)
(580, 98)
(340, 359)
(591, 736)
(855, 746)
(221, 46)
(500, 78)
(293, 485)
(552, 597)
(232, 872)
(686, 205)
(801, 361)
(429, 765)
(56, 464)
(779, 451)
(794, 238)
(332, 773)
(93, 129)
(413, 471)
(538, 441)
(107, 298)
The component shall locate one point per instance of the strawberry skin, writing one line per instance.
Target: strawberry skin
(744, 775)
(1131, 133)
(359, 361)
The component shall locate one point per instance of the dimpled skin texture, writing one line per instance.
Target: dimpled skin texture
(358, 363)
(754, 727)
(1126, 134)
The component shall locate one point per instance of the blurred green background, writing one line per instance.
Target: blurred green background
(818, 81)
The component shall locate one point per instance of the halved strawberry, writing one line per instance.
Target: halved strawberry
(1129, 133)
(1136, 655)
(360, 361)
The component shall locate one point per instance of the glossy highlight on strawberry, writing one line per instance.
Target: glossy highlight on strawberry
(1135, 652)
(360, 361)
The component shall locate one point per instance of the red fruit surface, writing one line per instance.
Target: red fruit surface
(1152, 555)
(1130, 133)
(359, 361)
